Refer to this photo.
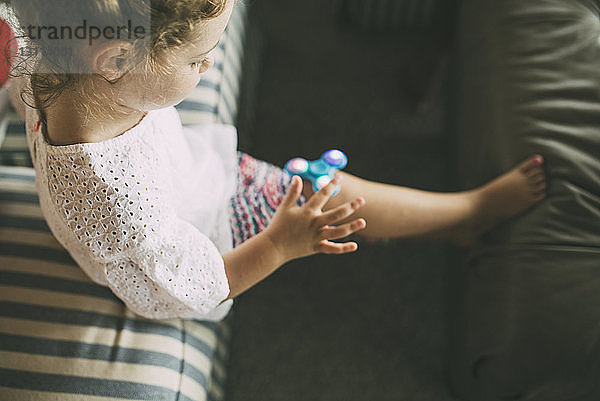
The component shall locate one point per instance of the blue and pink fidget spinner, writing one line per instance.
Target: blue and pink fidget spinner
(321, 171)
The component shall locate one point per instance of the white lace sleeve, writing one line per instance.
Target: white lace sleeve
(160, 265)
(182, 277)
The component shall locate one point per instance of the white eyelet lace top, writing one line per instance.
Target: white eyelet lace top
(146, 213)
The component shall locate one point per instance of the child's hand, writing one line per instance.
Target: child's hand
(299, 231)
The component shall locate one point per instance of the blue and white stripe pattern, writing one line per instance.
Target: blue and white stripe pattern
(13, 149)
(63, 337)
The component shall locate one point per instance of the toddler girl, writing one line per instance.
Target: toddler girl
(171, 218)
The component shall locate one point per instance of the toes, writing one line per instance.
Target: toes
(539, 187)
(530, 164)
(536, 178)
(538, 191)
(538, 196)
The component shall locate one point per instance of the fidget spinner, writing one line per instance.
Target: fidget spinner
(321, 171)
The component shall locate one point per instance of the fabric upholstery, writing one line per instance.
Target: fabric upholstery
(60, 333)
(525, 299)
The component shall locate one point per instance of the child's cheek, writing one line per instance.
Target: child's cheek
(180, 88)
(191, 82)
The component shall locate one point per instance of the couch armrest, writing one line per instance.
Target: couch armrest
(528, 82)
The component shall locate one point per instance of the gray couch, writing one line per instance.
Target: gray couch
(525, 300)
(523, 303)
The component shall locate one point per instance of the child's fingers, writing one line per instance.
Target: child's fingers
(341, 212)
(293, 192)
(318, 200)
(344, 230)
(334, 247)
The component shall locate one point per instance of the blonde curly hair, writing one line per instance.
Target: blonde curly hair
(57, 64)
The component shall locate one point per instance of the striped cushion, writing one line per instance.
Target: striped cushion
(13, 150)
(63, 337)
(215, 99)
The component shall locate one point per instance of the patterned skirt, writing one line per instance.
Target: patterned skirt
(261, 188)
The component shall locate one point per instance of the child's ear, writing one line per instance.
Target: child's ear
(111, 59)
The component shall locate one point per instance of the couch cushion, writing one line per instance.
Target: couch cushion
(389, 15)
(524, 322)
(13, 148)
(529, 83)
(525, 325)
(61, 334)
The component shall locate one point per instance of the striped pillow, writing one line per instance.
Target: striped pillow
(214, 100)
(64, 338)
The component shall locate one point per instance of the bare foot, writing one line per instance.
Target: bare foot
(506, 196)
